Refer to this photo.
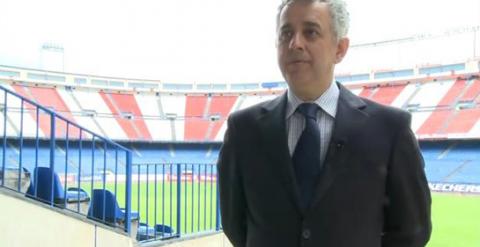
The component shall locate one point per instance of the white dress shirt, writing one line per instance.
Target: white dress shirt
(295, 122)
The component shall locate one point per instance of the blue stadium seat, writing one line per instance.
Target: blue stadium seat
(146, 232)
(41, 189)
(164, 229)
(109, 212)
(452, 162)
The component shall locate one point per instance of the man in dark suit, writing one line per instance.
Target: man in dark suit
(319, 166)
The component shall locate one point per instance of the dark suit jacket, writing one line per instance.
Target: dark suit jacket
(372, 190)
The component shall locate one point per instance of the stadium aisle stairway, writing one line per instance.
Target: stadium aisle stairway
(152, 111)
(124, 118)
(85, 120)
(443, 110)
(91, 101)
(175, 105)
(427, 99)
(221, 105)
(49, 98)
(465, 119)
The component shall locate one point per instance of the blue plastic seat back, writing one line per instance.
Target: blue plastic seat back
(163, 229)
(43, 185)
(110, 211)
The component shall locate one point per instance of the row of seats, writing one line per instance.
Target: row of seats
(444, 107)
(446, 161)
(438, 107)
(81, 162)
(452, 161)
(102, 206)
(124, 116)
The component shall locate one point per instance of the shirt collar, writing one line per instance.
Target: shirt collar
(327, 101)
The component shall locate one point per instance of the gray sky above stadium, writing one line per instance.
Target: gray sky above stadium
(191, 40)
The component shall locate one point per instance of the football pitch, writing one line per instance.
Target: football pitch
(455, 217)
(197, 203)
(455, 220)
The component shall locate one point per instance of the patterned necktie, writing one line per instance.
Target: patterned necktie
(306, 157)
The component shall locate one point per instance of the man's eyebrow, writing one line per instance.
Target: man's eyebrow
(312, 24)
(305, 24)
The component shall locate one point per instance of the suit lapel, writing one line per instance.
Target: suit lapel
(275, 143)
(348, 120)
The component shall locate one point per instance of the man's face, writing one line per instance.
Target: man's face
(307, 48)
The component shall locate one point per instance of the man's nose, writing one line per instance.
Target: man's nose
(297, 42)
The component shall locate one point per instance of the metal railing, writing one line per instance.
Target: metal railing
(73, 168)
(62, 154)
(175, 200)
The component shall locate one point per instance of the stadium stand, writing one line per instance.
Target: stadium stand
(452, 161)
(92, 104)
(387, 94)
(187, 126)
(196, 123)
(439, 107)
(82, 117)
(174, 106)
(220, 108)
(151, 109)
(172, 135)
(50, 98)
(443, 110)
(127, 113)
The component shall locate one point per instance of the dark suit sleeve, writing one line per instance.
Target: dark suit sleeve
(407, 211)
(232, 201)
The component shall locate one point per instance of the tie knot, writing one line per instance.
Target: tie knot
(308, 110)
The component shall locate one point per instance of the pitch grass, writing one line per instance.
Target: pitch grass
(197, 203)
(456, 220)
(455, 217)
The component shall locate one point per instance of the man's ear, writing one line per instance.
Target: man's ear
(342, 48)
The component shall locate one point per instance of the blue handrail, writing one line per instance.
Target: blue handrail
(57, 120)
(188, 190)
(53, 113)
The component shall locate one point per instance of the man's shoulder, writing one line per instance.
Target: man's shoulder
(379, 112)
(374, 109)
(390, 114)
(254, 111)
